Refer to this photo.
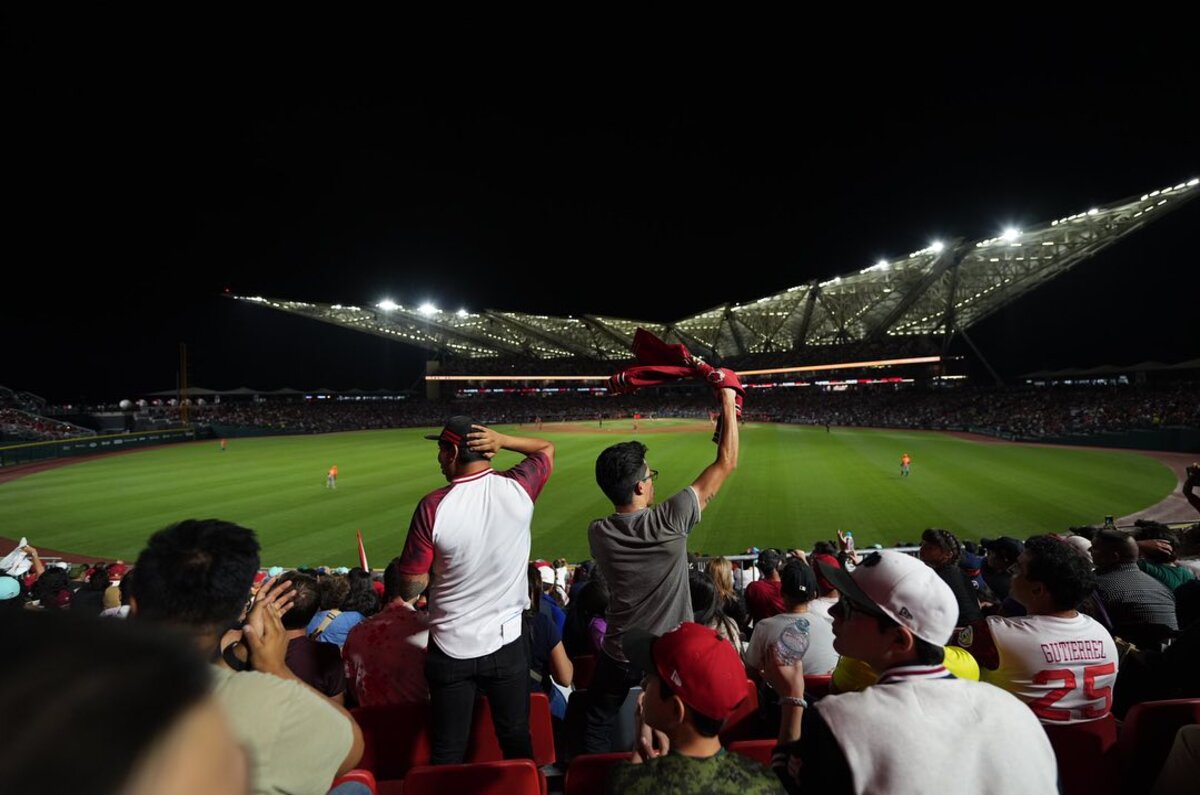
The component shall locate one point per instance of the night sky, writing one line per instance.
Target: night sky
(153, 164)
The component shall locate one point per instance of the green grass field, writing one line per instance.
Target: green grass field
(794, 485)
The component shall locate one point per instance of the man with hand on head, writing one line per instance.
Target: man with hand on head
(469, 544)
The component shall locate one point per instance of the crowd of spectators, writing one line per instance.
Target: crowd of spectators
(18, 426)
(1028, 412)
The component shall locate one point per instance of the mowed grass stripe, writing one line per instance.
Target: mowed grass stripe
(794, 485)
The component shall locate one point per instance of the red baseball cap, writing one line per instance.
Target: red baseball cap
(702, 669)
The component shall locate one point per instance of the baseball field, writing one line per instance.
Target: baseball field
(794, 485)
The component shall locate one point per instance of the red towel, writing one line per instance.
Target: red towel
(661, 363)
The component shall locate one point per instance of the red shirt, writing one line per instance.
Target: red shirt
(384, 657)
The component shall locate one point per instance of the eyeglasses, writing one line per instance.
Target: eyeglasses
(652, 476)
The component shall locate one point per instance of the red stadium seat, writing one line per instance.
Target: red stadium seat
(758, 750)
(1147, 736)
(744, 723)
(396, 738)
(1087, 756)
(506, 777)
(484, 746)
(363, 777)
(585, 668)
(817, 685)
(588, 773)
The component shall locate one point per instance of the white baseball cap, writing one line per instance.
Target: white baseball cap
(902, 588)
(1080, 543)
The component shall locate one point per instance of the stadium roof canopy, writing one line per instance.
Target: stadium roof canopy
(930, 293)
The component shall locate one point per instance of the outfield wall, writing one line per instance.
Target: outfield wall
(32, 452)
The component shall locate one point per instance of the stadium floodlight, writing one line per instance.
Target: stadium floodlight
(1093, 211)
(937, 246)
(428, 309)
(1011, 234)
(387, 305)
(882, 264)
(1193, 183)
(461, 313)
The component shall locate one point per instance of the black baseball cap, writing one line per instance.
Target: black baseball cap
(1005, 545)
(770, 560)
(455, 431)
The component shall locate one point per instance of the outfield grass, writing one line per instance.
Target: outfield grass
(794, 485)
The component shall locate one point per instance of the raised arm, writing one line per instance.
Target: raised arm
(710, 480)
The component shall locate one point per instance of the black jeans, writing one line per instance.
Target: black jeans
(610, 686)
(503, 676)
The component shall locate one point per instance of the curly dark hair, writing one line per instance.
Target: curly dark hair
(362, 597)
(1057, 565)
(618, 470)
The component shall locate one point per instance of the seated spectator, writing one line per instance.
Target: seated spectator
(553, 597)
(798, 584)
(384, 656)
(918, 727)
(827, 596)
(196, 576)
(89, 598)
(940, 550)
(1056, 659)
(319, 665)
(579, 578)
(332, 626)
(763, 598)
(694, 682)
(721, 573)
(1141, 608)
(706, 609)
(1002, 554)
(52, 590)
(124, 589)
(1156, 550)
(111, 708)
(583, 631)
(547, 656)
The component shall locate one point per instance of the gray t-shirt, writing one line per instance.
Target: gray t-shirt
(644, 559)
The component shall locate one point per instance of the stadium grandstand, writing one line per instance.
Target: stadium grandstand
(907, 307)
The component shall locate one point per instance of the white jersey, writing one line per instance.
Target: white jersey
(919, 730)
(1063, 668)
(472, 538)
